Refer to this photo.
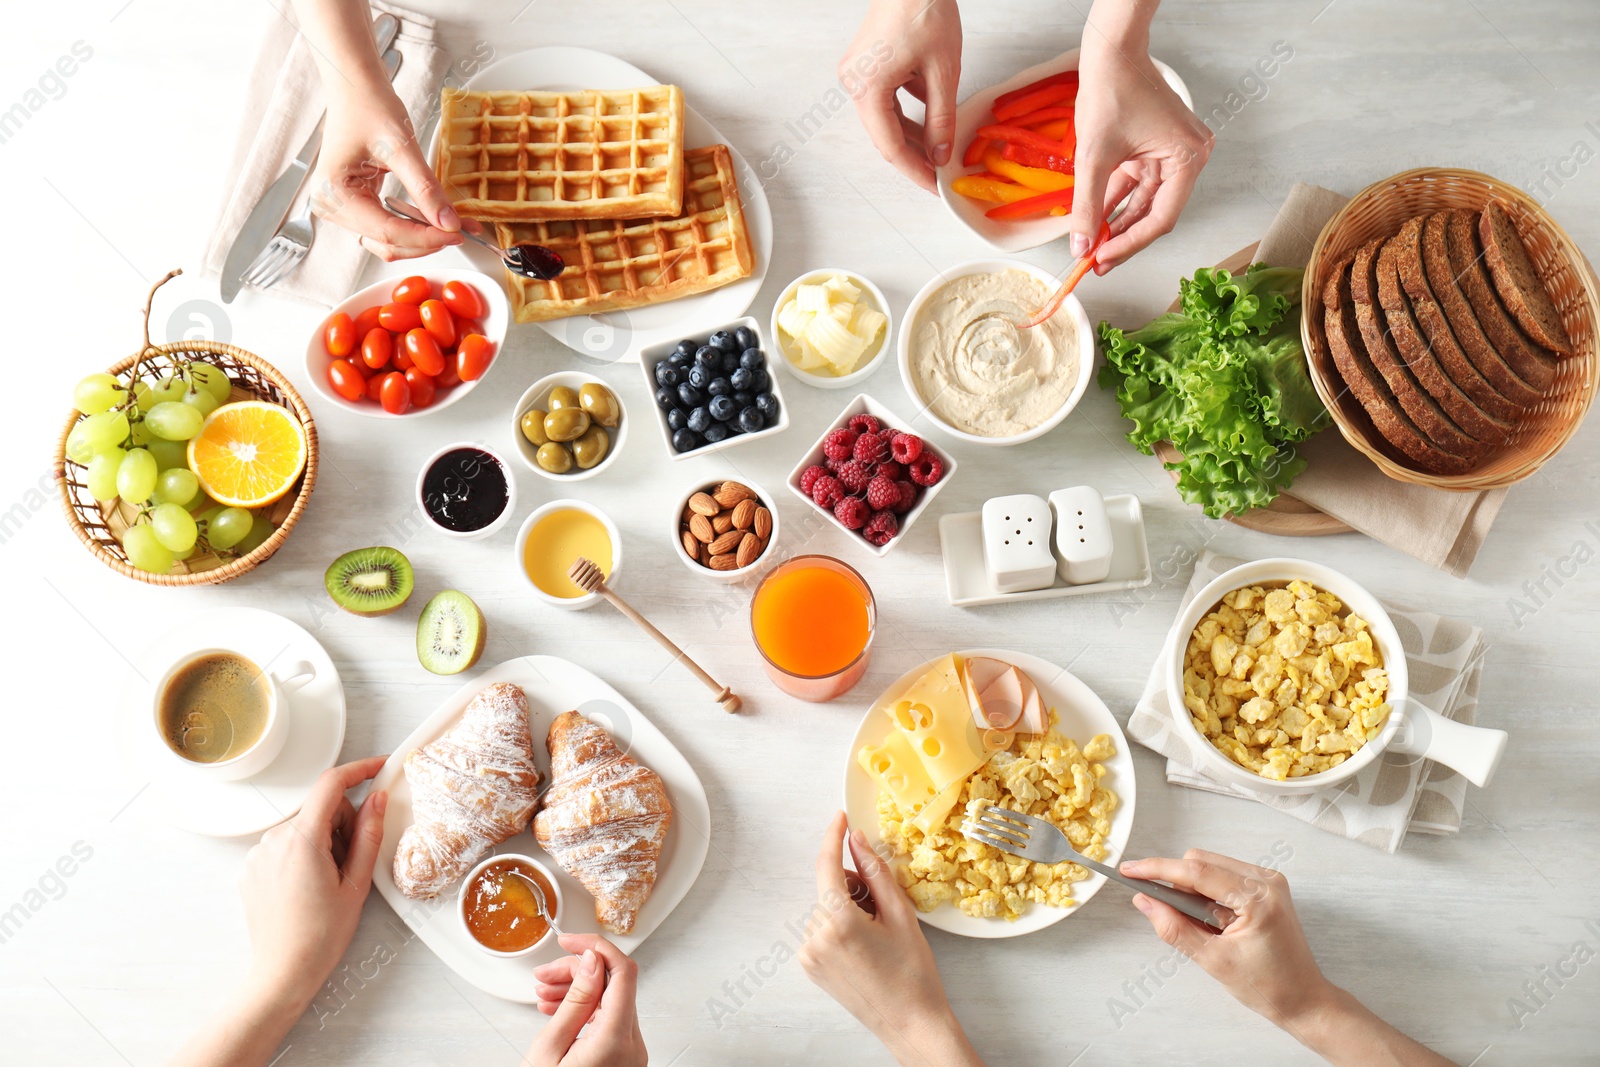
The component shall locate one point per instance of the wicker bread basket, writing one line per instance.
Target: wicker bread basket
(1379, 211)
(99, 526)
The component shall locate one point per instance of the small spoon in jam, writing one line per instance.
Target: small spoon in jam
(531, 261)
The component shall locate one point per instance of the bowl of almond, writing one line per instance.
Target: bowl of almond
(725, 529)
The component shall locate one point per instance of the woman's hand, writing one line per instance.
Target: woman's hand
(879, 966)
(596, 986)
(915, 45)
(1262, 958)
(304, 883)
(367, 135)
(1134, 136)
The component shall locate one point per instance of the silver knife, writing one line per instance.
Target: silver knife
(270, 210)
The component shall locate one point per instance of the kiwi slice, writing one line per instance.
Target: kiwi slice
(370, 581)
(450, 633)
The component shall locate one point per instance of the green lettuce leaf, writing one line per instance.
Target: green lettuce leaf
(1225, 381)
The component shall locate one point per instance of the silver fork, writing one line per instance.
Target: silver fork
(289, 246)
(1043, 842)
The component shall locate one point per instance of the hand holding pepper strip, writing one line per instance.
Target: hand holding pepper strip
(1074, 276)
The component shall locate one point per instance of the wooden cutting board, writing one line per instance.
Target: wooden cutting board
(1287, 515)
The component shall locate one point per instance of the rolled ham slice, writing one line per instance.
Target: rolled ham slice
(1002, 697)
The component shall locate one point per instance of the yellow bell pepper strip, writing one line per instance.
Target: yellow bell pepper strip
(1031, 157)
(1074, 276)
(1056, 130)
(1033, 205)
(990, 188)
(1066, 77)
(1035, 178)
(1039, 98)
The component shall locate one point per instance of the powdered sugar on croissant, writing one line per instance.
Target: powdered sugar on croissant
(471, 788)
(604, 819)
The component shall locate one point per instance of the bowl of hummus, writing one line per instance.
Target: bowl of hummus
(978, 373)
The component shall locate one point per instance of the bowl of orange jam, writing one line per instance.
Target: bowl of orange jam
(499, 904)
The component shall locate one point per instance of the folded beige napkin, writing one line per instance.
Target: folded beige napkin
(1397, 793)
(1440, 528)
(283, 106)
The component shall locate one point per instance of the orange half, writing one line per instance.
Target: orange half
(248, 454)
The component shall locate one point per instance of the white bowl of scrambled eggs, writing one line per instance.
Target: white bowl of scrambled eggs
(1286, 677)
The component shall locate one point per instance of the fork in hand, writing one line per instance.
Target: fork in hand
(1043, 842)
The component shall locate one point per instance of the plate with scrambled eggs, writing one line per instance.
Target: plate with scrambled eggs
(919, 761)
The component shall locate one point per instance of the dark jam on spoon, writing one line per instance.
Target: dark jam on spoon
(465, 490)
(537, 261)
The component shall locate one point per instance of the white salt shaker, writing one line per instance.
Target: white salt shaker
(1016, 543)
(1082, 534)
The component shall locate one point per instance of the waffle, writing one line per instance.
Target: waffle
(614, 264)
(590, 154)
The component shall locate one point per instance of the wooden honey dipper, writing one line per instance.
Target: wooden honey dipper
(588, 577)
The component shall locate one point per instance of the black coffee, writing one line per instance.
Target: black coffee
(215, 708)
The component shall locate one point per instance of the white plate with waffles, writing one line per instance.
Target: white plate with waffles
(617, 336)
(1081, 715)
(552, 686)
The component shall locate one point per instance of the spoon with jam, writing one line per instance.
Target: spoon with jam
(531, 261)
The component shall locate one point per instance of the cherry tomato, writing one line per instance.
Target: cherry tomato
(424, 351)
(466, 326)
(422, 387)
(438, 321)
(399, 317)
(412, 290)
(395, 393)
(375, 387)
(448, 378)
(400, 358)
(464, 300)
(339, 336)
(473, 356)
(346, 380)
(376, 348)
(366, 321)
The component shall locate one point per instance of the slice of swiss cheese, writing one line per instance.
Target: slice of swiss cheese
(935, 715)
(894, 765)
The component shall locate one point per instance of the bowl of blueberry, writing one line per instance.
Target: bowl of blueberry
(714, 391)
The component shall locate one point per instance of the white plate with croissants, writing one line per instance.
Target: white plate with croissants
(538, 756)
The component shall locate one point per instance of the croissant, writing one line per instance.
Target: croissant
(604, 819)
(471, 788)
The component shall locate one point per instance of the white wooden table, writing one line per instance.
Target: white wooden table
(112, 180)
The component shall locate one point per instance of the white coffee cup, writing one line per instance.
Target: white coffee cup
(258, 756)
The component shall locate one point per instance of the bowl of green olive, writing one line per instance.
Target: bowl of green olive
(569, 426)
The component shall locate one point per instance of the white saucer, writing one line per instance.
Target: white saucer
(174, 794)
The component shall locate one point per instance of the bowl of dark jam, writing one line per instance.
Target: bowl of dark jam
(466, 490)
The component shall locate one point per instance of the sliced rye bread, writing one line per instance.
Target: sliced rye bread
(1518, 282)
(1400, 272)
(1422, 358)
(1465, 321)
(1527, 357)
(1367, 385)
(1417, 403)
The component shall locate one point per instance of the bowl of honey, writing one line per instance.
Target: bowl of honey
(510, 904)
(552, 539)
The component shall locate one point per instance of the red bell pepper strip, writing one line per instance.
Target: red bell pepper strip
(1035, 119)
(1032, 157)
(1074, 276)
(1039, 98)
(1033, 205)
(974, 153)
(1066, 77)
(1018, 135)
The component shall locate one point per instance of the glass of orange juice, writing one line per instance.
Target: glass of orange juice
(813, 618)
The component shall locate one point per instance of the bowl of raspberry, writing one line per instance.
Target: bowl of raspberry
(869, 477)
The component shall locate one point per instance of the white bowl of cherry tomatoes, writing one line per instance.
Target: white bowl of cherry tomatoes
(409, 346)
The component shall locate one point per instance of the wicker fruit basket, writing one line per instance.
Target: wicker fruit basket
(100, 526)
(1380, 210)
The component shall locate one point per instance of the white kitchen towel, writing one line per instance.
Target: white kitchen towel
(284, 103)
(1397, 793)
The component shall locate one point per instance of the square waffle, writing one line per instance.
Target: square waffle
(616, 263)
(589, 154)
